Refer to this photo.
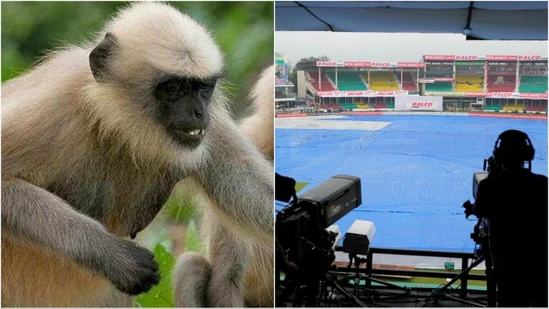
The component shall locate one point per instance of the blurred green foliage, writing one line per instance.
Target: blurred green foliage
(244, 31)
(161, 295)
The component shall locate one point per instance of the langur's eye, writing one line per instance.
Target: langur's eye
(173, 89)
(206, 88)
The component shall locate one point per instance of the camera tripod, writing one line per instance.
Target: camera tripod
(358, 276)
(490, 285)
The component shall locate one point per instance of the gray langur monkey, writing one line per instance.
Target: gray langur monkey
(202, 281)
(94, 139)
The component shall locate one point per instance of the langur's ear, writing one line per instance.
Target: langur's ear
(101, 56)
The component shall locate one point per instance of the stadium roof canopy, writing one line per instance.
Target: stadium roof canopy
(478, 20)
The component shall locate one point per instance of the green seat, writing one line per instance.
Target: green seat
(348, 105)
(495, 108)
(347, 81)
(533, 84)
(439, 87)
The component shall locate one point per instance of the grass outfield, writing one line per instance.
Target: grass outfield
(300, 185)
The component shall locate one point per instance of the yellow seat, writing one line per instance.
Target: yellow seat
(382, 81)
(468, 83)
(513, 108)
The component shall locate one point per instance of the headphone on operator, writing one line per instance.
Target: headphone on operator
(516, 144)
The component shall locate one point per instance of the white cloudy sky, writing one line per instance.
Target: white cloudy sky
(393, 46)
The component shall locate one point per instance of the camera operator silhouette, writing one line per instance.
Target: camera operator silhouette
(284, 191)
(514, 200)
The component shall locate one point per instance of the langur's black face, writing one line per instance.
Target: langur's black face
(182, 107)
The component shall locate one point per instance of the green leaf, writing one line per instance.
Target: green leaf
(160, 295)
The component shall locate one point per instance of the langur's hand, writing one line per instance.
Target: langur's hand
(131, 268)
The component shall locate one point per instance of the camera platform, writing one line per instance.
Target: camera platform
(401, 291)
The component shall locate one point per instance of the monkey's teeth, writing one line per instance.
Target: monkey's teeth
(195, 132)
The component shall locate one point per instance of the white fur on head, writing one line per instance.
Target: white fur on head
(166, 39)
(152, 39)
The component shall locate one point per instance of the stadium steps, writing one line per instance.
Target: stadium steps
(408, 82)
(537, 84)
(325, 82)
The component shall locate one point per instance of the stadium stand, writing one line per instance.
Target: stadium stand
(325, 83)
(469, 83)
(501, 83)
(533, 84)
(347, 80)
(439, 87)
(360, 105)
(382, 81)
(408, 82)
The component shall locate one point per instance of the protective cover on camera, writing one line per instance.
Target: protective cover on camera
(477, 178)
(335, 197)
(359, 236)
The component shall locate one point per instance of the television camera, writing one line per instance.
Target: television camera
(306, 233)
(490, 170)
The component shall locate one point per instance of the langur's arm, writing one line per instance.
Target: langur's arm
(40, 216)
(240, 183)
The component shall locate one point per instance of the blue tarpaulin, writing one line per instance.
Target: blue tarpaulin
(416, 172)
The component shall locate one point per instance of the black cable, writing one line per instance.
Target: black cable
(309, 11)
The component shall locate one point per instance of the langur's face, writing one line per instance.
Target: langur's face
(182, 107)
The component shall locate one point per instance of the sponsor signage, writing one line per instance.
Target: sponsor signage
(527, 58)
(505, 115)
(443, 79)
(422, 104)
(417, 65)
(466, 57)
(469, 73)
(360, 93)
(367, 113)
(509, 95)
(356, 64)
(501, 58)
(439, 57)
(418, 103)
(533, 95)
(492, 94)
(383, 65)
(535, 73)
(291, 115)
(426, 81)
(329, 63)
